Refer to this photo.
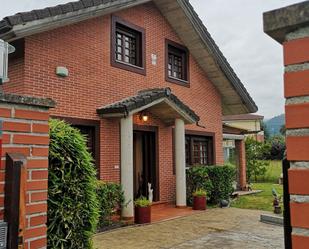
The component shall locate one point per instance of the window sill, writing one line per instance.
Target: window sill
(178, 81)
(128, 67)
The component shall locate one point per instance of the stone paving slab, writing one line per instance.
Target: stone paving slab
(216, 228)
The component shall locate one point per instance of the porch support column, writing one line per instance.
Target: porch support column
(126, 163)
(180, 162)
(241, 149)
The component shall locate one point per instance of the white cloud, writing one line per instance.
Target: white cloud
(237, 27)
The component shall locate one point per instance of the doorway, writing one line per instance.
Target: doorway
(145, 163)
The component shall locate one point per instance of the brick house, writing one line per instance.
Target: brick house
(143, 79)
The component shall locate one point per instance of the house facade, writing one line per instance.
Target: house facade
(142, 79)
(253, 124)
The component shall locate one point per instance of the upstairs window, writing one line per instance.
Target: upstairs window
(177, 66)
(128, 46)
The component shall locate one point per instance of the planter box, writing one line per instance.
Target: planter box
(199, 203)
(142, 215)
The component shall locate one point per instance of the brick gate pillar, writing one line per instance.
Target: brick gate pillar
(290, 27)
(25, 131)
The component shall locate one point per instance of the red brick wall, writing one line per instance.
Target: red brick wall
(240, 147)
(84, 48)
(25, 130)
(297, 124)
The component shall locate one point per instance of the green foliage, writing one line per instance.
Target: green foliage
(277, 148)
(255, 153)
(222, 178)
(266, 131)
(283, 130)
(111, 197)
(273, 172)
(142, 202)
(260, 201)
(72, 201)
(216, 180)
(200, 193)
(197, 178)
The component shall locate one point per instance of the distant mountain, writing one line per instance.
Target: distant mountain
(274, 125)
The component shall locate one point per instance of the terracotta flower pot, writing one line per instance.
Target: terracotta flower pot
(142, 215)
(199, 202)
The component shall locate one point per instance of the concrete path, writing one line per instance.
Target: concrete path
(216, 228)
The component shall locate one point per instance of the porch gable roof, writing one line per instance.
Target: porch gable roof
(159, 101)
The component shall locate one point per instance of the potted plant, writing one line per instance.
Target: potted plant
(199, 199)
(142, 211)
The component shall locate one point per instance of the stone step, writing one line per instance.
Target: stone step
(272, 219)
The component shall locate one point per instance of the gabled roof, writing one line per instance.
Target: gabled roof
(170, 106)
(229, 129)
(242, 117)
(180, 15)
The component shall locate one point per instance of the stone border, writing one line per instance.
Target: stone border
(26, 100)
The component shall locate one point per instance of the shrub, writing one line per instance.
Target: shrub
(222, 178)
(111, 197)
(72, 201)
(216, 180)
(197, 178)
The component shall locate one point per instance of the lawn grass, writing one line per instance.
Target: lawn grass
(273, 172)
(260, 201)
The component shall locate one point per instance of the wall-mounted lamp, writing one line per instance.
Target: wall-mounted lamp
(144, 117)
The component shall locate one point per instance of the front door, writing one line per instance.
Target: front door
(145, 165)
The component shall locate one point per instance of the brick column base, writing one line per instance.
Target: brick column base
(26, 131)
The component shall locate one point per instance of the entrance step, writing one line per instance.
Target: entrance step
(272, 219)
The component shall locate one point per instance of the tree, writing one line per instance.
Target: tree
(277, 147)
(255, 156)
(266, 131)
(283, 130)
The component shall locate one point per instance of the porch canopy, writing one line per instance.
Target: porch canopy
(160, 102)
(172, 111)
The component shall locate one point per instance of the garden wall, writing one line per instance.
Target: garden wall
(25, 131)
(290, 26)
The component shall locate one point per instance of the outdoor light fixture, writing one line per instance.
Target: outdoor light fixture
(144, 117)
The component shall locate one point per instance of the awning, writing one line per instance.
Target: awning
(160, 102)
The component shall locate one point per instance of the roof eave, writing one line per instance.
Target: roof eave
(221, 60)
(32, 27)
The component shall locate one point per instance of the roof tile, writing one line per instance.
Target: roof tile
(87, 3)
(42, 13)
(55, 11)
(66, 8)
(77, 5)
(28, 16)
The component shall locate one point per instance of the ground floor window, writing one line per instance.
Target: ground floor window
(199, 150)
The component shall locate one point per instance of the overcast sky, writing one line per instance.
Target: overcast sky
(237, 27)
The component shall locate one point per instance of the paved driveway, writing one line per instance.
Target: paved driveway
(215, 228)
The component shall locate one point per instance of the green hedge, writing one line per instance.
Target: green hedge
(111, 197)
(72, 202)
(216, 180)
